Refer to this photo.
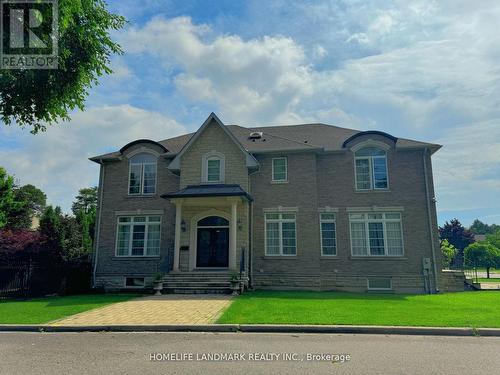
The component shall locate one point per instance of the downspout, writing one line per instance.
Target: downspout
(429, 214)
(250, 245)
(250, 228)
(98, 226)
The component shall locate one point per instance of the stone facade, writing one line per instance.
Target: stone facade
(316, 181)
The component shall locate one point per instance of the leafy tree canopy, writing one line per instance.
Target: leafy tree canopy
(7, 202)
(482, 254)
(456, 234)
(85, 201)
(478, 227)
(33, 98)
(494, 239)
(30, 202)
(448, 251)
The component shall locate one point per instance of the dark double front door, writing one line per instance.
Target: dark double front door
(212, 247)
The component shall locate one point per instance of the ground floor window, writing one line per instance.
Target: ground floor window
(134, 282)
(376, 234)
(138, 236)
(281, 234)
(379, 283)
(328, 234)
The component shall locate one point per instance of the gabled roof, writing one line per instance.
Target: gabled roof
(212, 118)
(284, 138)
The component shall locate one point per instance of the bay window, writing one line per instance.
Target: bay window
(376, 234)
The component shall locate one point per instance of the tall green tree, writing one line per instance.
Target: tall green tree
(458, 236)
(448, 251)
(84, 208)
(33, 98)
(7, 202)
(478, 227)
(482, 254)
(85, 201)
(51, 227)
(30, 202)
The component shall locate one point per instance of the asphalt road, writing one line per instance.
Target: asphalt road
(129, 353)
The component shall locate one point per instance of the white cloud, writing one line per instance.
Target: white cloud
(467, 169)
(257, 79)
(57, 161)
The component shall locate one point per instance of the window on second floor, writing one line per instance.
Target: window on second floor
(142, 174)
(213, 168)
(371, 169)
(280, 169)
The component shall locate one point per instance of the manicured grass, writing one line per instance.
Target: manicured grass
(490, 280)
(43, 310)
(464, 309)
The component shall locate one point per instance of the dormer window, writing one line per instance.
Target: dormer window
(213, 168)
(142, 174)
(371, 169)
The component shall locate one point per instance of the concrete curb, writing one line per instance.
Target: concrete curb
(263, 328)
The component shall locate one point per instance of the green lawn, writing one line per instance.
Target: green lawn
(490, 280)
(464, 309)
(43, 310)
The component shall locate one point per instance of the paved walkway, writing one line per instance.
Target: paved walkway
(168, 309)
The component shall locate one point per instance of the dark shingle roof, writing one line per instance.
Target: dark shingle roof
(285, 138)
(213, 190)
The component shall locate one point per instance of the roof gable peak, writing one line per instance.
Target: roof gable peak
(212, 118)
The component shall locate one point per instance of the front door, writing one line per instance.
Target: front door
(212, 247)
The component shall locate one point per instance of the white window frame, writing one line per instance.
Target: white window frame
(280, 221)
(372, 169)
(321, 221)
(378, 277)
(286, 170)
(141, 187)
(204, 170)
(131, 225)
(383, 220)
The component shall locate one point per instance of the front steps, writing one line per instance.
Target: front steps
(197, 282)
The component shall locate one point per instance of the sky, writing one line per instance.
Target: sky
(425, 70)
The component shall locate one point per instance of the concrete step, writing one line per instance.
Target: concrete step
(196, 290)
(200, 284)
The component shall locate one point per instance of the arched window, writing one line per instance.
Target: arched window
(213, 221)
(142, 174)
(371, 169)
(213, 167)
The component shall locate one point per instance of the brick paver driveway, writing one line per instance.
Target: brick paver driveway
(168, 309)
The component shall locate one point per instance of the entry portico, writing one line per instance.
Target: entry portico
(211, 222)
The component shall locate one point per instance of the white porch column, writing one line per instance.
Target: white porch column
(232, 235)
(177, 242)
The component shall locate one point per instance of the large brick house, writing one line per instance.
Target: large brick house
(310, 206)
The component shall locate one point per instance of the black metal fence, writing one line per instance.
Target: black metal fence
(33, 279)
